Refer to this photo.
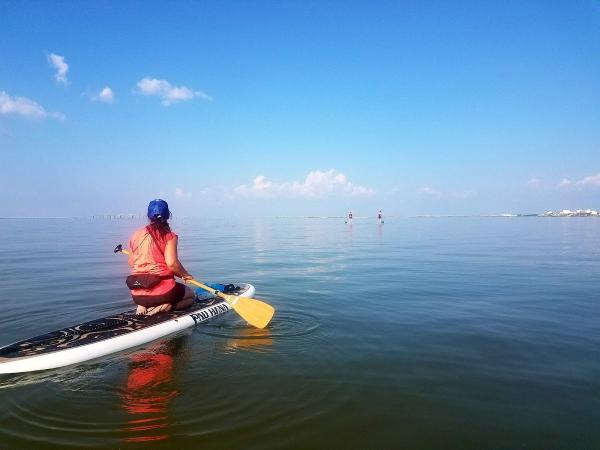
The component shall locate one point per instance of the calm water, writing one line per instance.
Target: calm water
(457, 333)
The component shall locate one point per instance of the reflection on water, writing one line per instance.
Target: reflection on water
(240, 335)
(151, 383)
(254, 339)
(149, 389)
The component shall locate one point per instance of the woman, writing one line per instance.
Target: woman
(154, 263)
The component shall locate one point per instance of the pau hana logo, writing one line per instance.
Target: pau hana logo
(208, 313)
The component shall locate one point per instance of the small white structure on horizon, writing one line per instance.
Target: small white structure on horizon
(569, 213)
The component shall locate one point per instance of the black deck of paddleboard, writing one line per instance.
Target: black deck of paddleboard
(98, 330)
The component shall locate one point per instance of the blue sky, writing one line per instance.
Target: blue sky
(299, 108)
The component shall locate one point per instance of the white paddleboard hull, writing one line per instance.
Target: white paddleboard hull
(75, 355)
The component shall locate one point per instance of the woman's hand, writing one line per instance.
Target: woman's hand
(187, 277)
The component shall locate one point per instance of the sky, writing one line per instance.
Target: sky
(299, 108)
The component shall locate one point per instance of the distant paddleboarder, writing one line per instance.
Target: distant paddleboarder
(349, 219)
(154, 263)
(380, 217)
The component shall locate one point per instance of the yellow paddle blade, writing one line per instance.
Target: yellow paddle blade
(255, 312)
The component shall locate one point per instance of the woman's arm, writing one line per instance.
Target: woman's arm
(130, 258)
(172, 261)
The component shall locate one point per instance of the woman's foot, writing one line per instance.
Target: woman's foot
(141, 310)
(165, 307)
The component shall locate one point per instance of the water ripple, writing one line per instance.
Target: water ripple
(285, 324)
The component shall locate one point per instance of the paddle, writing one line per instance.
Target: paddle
(257, 313)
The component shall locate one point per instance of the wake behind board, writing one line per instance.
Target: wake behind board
(108, 335)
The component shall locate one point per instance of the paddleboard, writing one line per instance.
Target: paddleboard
(112, 334)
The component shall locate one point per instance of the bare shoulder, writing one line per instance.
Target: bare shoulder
(171, 240)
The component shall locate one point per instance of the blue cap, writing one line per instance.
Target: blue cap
(158, 209)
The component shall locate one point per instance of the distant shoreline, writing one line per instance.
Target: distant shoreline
(418, 216)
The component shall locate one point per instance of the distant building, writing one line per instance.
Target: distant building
(569, 213)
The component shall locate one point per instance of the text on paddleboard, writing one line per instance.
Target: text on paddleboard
(205, 314)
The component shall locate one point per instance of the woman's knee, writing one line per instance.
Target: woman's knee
(189, 293)
(184, 303)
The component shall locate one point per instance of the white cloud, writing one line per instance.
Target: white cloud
(181, 194)
(534, 183)
(260, 187)
(106, 95)
(564, 183)
(58, 62)
(316, 184)
(25, 107)
(591, 181)
(170, 94)
(427, 190)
